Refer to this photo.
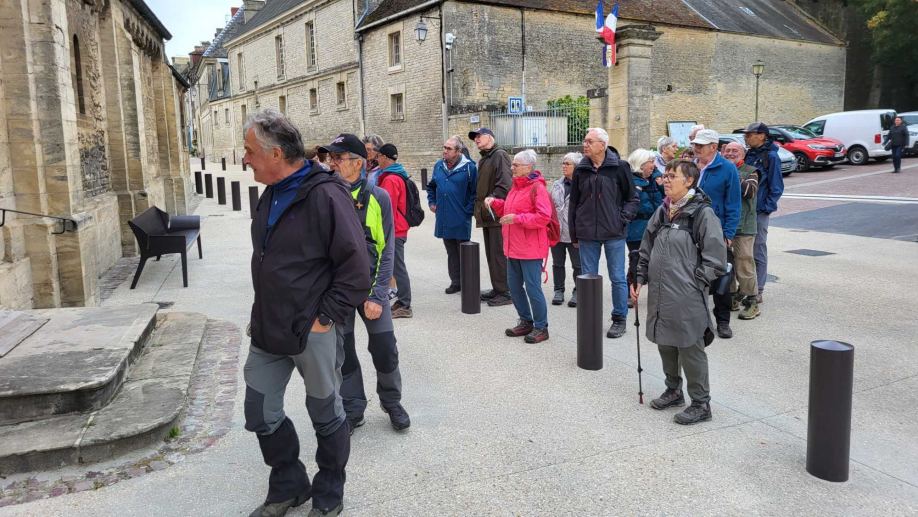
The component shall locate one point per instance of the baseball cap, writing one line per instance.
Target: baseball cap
(480, 131)
(756, 127)
(387, 150)
(346, 143)
(706, 136)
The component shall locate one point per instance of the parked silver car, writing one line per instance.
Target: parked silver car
(788, 161)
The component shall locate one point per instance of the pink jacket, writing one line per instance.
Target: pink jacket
(527, 237)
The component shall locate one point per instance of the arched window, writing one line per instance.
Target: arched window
(78, 76)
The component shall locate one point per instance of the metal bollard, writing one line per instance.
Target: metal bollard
(223, 162)
(209, 185)
(198, 184)
(423, 179)
(237, 196)
(470, 277)
(589, 322)
(243, 166)
(202, 164)
(253, 200)
(828, 437)
(221, 191)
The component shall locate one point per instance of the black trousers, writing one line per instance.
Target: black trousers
(497, 262)
(723, 302)
(558, 257)
(452, 259)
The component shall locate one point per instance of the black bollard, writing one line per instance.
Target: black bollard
(423, 179)
(253, 200)
(209, 185)
(237, 196)
(198, 184)
(589, 322)
(202, 164)
(470, 277)
(243, 166)
(223, 162)
(221, 191)
(828, 437)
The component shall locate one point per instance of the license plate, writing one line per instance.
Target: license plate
(839, 155)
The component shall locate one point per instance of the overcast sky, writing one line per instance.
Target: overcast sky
(191, 21)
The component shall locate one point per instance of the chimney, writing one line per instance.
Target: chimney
(217, 33)
(251, 8)
(233, 11)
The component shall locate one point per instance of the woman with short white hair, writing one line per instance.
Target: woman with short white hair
(561, 197)
(525, 215)
(667, 147)
(651, 197)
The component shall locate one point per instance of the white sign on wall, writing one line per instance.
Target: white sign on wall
(474, 119)
(515, 105)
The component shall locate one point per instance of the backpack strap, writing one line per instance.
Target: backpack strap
(362, 201)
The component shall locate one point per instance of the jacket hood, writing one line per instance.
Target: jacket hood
(611, 159)
(396, 168)
(463, 161)
(525, 181)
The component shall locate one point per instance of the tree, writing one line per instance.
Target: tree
(892, 27)
(578, 116)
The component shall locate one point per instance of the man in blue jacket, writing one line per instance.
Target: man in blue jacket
(720, 181)
(763, 155)
(451, 197)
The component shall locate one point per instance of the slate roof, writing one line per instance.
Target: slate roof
(773, 18)
(272, 9)
(233, 27)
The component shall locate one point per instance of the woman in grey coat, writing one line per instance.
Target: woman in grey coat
(561, 197)
(682, 253)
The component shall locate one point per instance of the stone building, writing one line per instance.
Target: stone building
(89, 131)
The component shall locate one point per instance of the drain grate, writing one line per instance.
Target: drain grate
(165, 305)
(810, 253)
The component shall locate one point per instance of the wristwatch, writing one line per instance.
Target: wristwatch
(324, 320)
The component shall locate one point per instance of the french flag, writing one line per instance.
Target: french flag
(605, 27)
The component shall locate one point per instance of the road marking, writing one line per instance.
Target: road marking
(846, 178)
(872, 199)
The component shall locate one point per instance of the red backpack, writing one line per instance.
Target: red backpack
(554, 227)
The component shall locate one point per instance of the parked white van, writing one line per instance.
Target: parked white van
(862, 132)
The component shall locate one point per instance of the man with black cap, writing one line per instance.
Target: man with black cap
(494, 180)
(763, 155)
(394, 180)
(309, 271)
(349, 158)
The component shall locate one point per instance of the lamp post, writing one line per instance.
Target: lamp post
(420, 30)
(757, 69)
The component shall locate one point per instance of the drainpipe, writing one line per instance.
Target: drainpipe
(443, 77)
(523, 48)
(359, 37)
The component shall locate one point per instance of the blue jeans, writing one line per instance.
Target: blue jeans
(530, 272)
(615, 261)
(897, 156)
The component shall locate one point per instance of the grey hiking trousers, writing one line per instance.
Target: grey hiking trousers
(383, 349)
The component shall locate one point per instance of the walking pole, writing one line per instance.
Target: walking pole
(637, 331)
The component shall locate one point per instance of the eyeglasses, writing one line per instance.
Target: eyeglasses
(591, 142)
(516, 165)
(448, 148)
(341, 158)
(671, 177)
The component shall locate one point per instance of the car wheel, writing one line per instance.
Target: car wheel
(803, 162)
(858, 155)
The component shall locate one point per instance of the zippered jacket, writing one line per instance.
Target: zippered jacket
(527, 237)
(452, 191)
(603, 199)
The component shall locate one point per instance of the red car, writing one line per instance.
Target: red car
(808, 148)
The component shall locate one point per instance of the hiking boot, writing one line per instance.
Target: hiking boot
(559, 297)
(490, 294)
(751, 310)
(453, 289)
(315, 512)
(400, 311)
(724, 331)
(697, 412)
(737, 302)
(280, 509)
(398, 416)
(500, 299)
(537, 335)
(669, 398)
(521, 329)
(355, 422)
(573, 301)
(759, 299)
(617, 329)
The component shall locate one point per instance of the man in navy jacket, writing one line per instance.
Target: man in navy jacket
(720, 181)
(763, 155)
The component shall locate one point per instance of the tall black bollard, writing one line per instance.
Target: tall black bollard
(209, 185)
(589, 322)
(223, 162)
(198, 184)
(470, 277)
(243, 166)
(828, 437)
(237, 196)
(203, 168)
(221, 191)
(253, 200)
(423, 179)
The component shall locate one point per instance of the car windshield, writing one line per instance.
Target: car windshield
(797, 132)
(910, 119)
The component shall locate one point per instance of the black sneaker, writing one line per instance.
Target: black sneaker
(398, 416)
(697, 412)
(537, 335)
(573, 301)
(315, 512)
(724, 331)
(617, 329)
(280, 509)
(559, 297)
(499, 300)
(490, 294)
(453, 289)
(669, 398)
(354, 423)
(521, 329)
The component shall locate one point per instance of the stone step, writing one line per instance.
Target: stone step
(141, 413)
(74, 363)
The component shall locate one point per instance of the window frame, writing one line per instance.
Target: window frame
(282, 104)
(78, 76)
(314, 99)
(226, 115)
(312, 55)
(396, 99)
(279, 57)
(341, 94)
(240, 74)
(395, 54)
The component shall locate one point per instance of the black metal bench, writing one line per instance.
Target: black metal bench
(159, 234)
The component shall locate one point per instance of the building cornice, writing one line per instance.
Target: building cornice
(284, 19)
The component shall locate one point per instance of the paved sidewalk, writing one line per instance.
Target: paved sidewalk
(504, 428)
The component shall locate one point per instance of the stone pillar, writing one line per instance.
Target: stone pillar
(630, 99)
(599, 107)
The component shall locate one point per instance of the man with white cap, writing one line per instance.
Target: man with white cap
(720, 181)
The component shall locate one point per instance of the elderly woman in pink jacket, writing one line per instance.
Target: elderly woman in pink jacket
(525, 215)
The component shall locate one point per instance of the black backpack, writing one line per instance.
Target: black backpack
(415, 215)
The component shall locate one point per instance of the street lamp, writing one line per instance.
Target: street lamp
(420, 31)
(758, 68)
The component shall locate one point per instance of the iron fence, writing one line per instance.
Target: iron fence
(554, 126)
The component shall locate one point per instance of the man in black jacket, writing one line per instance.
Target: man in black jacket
(310, 270)
(897, 139)
(603, 202)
